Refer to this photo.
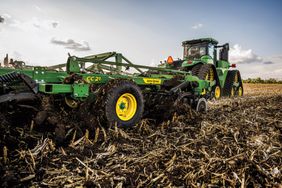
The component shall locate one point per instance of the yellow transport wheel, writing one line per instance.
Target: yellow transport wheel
(124, 103)
(71, 102)
(126, 106)
(217, 92)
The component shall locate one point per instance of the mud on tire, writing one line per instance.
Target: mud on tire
(107, 98)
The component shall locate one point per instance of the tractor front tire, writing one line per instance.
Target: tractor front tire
(208, 72)
(196, 69)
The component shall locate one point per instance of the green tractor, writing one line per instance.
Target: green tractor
(207, 60)
(100, 88)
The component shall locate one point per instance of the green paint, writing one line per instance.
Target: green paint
(101, 71)
(122, 106)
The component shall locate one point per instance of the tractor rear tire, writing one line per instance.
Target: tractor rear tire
(240, 91)
(124, 104)
(228, 86)
(232, 77)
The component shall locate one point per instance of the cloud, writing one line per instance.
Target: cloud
(35, 23)
(2, 19)
(37, 8)
(55, 24)
(268, 62)
(197, 26)
(269, 67)
(276, 59)
(5, 19)
(238, 55)
(71, 44)
(29, 25)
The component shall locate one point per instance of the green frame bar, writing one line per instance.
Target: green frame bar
(56, 88)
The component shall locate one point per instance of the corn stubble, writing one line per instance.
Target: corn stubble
(236, 144)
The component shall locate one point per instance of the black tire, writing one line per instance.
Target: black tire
(201, 105)
(229, 83)
(116, 90)
(204, 71)
(195, 69)
(229, 90)
(237, 93)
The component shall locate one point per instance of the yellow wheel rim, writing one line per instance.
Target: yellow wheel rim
(211, 74)
(217, 92)
(240, 91)
(232, 92)
(126, 107)
(71, 102)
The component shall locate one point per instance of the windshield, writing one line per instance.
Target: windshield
(194, 52)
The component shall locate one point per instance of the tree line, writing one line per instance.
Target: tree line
(263, 81)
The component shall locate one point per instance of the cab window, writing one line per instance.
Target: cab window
(211, 50)
(195, 52)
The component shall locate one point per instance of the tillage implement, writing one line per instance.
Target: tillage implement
(116, 91)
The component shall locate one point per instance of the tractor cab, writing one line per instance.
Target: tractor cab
(199, 48)
(205, 50)
(200, 51)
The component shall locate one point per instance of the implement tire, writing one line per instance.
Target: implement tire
(124, 103)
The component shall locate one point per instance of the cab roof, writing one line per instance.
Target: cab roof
(201, 40)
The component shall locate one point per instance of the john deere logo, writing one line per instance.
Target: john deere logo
(152, 81)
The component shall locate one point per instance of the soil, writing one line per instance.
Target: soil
(237, 143)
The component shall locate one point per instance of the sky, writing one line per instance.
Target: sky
(42, 32)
